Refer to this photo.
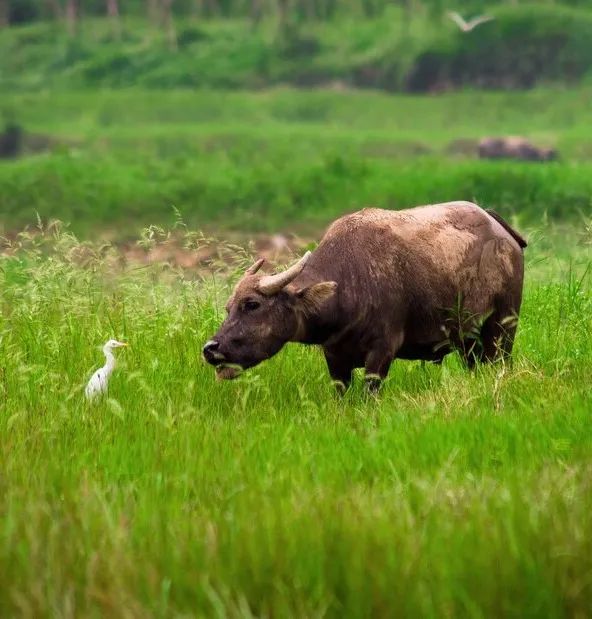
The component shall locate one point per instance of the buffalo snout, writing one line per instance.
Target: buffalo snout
(212, 353)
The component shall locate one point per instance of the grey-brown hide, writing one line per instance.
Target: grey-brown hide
(385, 284)
(514, 147)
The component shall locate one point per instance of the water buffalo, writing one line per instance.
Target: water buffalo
(410, 284)
(514, 148)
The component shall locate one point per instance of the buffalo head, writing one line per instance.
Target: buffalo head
(263, 313)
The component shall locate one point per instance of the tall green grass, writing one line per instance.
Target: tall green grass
(453, 493)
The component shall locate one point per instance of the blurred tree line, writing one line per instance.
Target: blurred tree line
(396, 45)
(161, 11)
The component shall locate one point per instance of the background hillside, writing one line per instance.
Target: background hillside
(410, 47)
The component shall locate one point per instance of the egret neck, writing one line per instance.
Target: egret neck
(110, 360)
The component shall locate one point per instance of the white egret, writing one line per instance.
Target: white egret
(97, 385)
(467, 26)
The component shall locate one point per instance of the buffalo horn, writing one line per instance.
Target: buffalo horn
(270, 284)
(255, 266)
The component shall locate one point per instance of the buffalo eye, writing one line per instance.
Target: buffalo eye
(249, 306)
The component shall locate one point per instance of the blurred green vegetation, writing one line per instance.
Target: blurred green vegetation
(393, 49)
(29, 10)
(286, 159)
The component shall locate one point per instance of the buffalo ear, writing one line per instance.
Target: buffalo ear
(311, 298)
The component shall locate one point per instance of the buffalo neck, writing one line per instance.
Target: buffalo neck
(317, 328)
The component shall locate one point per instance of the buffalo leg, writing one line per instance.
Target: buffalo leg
(340, 369)
(377, 366)
(497, 335)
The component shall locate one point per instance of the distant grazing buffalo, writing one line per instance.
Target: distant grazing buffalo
(412, 284)
(11, 141)
(514, 148)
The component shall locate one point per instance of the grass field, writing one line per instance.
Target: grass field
(283, 159)
(453, 494)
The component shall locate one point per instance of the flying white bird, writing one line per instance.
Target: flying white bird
(97, 385)
(467, 26)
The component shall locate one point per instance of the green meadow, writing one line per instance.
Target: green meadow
(284, 160)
